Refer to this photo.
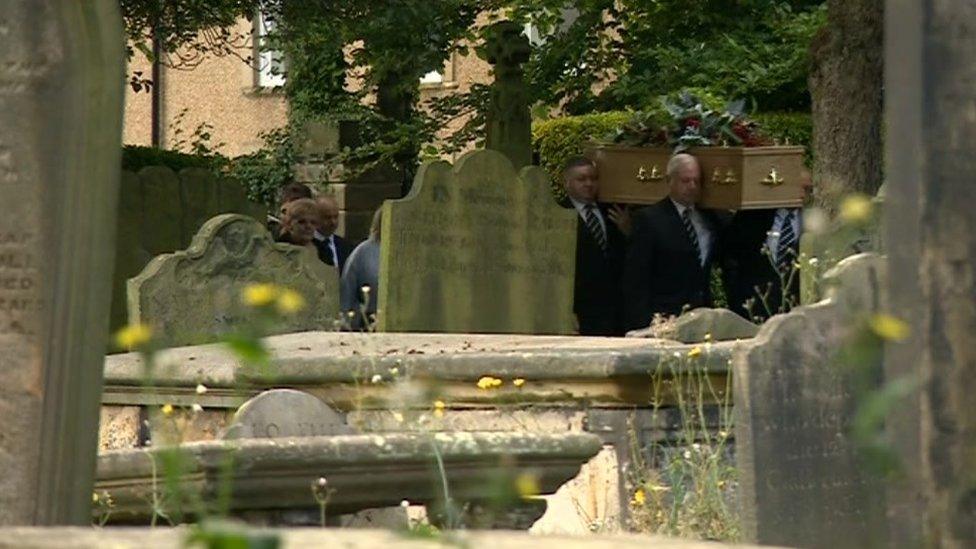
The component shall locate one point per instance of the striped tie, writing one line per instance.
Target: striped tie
(785, 253)
(593, 225)
(692, 233)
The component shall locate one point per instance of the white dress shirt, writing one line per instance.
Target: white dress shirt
(332, 248)
(701, 229)
(581, 209)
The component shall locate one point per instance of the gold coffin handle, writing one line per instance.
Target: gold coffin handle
(773, 179)
(728, 179)
(645, 176)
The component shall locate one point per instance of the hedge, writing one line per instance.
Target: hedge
(135, 157)
(797, 127)
(557, 140)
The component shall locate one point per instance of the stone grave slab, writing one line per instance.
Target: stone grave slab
(477, 248)
(194, 296)
(286, 413)
(61, 74)
(803, 482)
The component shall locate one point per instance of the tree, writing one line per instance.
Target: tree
(846, 83)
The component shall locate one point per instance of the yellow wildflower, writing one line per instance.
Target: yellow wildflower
(259, 295)
(527, 485)
(694, 352)
(94, 497)
(639, 497)
(167, 410)
(439, 408)
(290, 301)
(889, 327)
(488, 382)
(855, 208)
(133, 336)
(518, 382)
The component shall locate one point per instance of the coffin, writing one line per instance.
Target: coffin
(735, 178)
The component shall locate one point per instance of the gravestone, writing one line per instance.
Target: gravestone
(61, 74)
(477, 248)
(508, 125)
(803, 481)
(286, 413)
(930, 94)
(194, 296)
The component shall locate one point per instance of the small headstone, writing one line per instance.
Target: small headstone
(286, 413)
(194, 296)
(803, 482)
(508, 123)
(702, 325)
(477, 248)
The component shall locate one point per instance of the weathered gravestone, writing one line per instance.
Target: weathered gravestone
(61, 73)
(194, 296)
(803, 481)
(477, 248)
(286, 413)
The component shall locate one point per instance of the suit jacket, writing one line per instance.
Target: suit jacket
(343, 249)
(597, 295)
(748, 273)
(662, 272)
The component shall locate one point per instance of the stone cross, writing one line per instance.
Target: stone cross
(509, 122)
(61, 77)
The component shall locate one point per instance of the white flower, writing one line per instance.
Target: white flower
(394, 371)
(404, 504)
(687, 454)
(376, 378)
(201, 388)
(813, 261)
(196, 408)
(364, 289)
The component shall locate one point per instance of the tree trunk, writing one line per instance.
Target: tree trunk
(846, 88)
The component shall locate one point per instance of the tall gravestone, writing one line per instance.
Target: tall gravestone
(61, 76)
(508, 123)
(477, 248)
(804, 481)
(194, 296)
(930, 131)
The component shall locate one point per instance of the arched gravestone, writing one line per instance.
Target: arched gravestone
(286, 413)
(477, 248)
(194, 296)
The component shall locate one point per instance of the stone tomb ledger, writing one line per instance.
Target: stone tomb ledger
(477, 248)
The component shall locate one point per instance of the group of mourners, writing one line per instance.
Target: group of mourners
(636, 265)
(633, 266)
(312, 222)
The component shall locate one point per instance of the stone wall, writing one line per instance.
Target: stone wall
(160, 211)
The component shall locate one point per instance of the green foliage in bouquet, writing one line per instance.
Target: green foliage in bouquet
(687, 120)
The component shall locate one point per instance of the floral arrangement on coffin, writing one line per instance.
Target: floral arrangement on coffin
(686, 121)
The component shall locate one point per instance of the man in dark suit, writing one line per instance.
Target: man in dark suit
(600, 246)
(759, 253)
(671, 250)
(332, 248)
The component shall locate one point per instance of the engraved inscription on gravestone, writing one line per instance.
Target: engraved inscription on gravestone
(61, 74)
(803, 482)
(286, 413)
(477, 248)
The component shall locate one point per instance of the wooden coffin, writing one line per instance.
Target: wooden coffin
(735, 178)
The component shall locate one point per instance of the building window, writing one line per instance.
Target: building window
(269, 66)
(432, 77)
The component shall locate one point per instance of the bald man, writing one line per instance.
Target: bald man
(333, 249)
(668, 264)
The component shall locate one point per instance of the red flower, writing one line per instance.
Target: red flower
(693, 123)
